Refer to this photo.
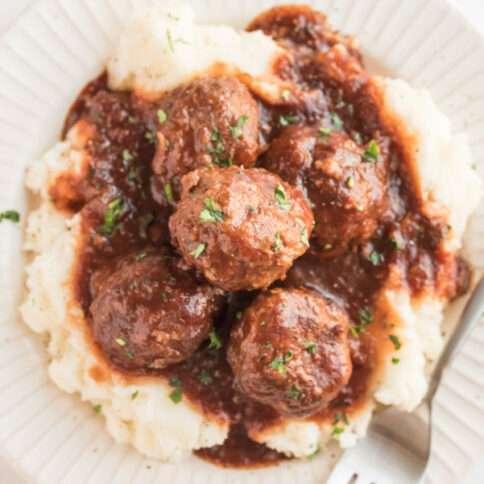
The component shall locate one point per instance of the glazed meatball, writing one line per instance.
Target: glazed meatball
(290, 351)
(208, 121)
(149, 313)
(242, 228)
(344, 182)
(300, 26)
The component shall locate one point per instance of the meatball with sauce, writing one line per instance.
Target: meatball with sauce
(149, 313)
(208, 121)
(242, 228)
(345, 183)
(290, 351)
(300, 26)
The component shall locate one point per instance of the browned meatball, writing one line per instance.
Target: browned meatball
(290, 351)
(242, 228)
(344, 182)
(302, 27)
(150, 313)
(208, 121)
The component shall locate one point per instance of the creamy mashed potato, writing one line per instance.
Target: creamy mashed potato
(156, 52)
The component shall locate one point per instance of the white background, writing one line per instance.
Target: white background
(11, 9)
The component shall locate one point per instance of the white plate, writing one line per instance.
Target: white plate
(51, 52)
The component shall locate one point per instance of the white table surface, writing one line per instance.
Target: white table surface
(11, 9)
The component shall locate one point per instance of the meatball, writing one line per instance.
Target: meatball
(290, 351)
(344, 182)
(300, 26)
(242, 228)
(149, 313)
(208, 121)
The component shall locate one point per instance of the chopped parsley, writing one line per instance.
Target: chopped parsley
(279, 363)
(134, 395)
(310, 347)
(376, 258)
(140, 256)
(169, 37)
(216, 150)
(336, 121)
(215, 343)
(366, 317)
(294, 393)
(215, 135)
(134, 175)
(395, 244)
(396, 341)
(212, 212)
(97, 408)
(236, 130)
(198, 251)
(205, 377)
(132, 119)
(130, 355)
(177, 393)
(127, 156)
(395, 361)
(150, 136)
(121, 341)
(168, 192)
(325, 132)
(162, 117)
(314, 454)
(277, 243)
(304, 237)
(144, 222)
(350, 182)
(286, 120)
(111, 217)
(267, 345)
(281, 198)
(11, 215)
(339, 421)
(372, 151)
(286, 94)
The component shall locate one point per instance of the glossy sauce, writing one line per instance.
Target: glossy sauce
(351, 279)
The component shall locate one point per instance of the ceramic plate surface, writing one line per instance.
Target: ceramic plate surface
(49, 54)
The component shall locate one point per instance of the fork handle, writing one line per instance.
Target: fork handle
(470, 317)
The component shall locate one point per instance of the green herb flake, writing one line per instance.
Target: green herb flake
(11, 215)
(396, 341)
(176, 395)
(238, 315)
(376, 258)
(215, 135)
(212, 212)
(130, 355)
(97, 408)
(314, 454)
(294, 393)
(150, 136)
(169, 192)
(162, 117)
(205, 377)
(127, 156)
(236, 130)
(395, 361)
(277, 243)
(111, 217)
(286, 94)
(337, 431)
(169, 37)
(198, 251)
(336, 121)
(144, 222)
(288, 119)
(372, 152)
(267, 345)
(304, 237)
(281, 198)
(132, 119)
(395, 244)
(279, 363)
(134, 395)
(350, 182)
(325, 132)
(121, 341)
(366, 315)
(215, 343)
(310, 347)
(140, 256)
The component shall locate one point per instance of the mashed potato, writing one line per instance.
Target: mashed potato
(175, 49)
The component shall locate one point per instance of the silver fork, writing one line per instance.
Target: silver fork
(397, 447)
